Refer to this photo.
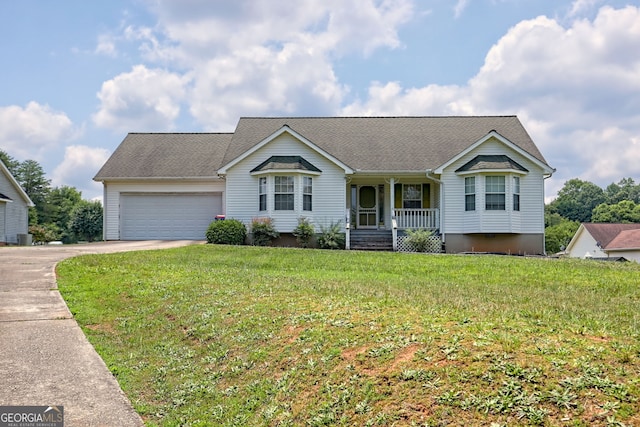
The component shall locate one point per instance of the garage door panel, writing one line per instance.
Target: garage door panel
(167, 216)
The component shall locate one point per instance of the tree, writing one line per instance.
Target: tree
(625, 189)
(11, 163)
(31, 178)
(625, 211)
(58, 208)
(558, 236)
(86, 221)
(577, 199)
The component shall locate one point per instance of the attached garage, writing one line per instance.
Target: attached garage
(167, 216)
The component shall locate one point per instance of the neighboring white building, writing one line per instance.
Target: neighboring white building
(601, 240)
(478, 181)
(14, 208)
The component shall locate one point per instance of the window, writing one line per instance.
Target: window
(283, 193)
(307, 192)
(262, 191)
(516, 193)
(412, 196)
(470, 193)
(495, 193)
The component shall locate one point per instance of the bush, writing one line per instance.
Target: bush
(86, 221)
(331, 237)
(226, 232)
(263, 231)
(43, 233)
(420, 240)
(304, 232)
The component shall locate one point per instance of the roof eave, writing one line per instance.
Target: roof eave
(158, 178)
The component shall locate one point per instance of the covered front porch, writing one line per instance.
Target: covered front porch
(386, 206)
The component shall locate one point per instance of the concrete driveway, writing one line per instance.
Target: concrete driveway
(45, 359)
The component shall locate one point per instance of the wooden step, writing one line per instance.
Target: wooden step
(371, 240)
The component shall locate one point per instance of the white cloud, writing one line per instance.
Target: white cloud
(391, 100)
(29, 132)
(253, 57)
(460, 6)
(79, 166)
(575, 88)
(141, 100)
(579, 7)
(106, 46)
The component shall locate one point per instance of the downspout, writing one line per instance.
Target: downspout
(440, 220)
(544, 231)
(104, 211)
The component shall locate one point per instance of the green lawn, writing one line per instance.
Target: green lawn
(248, 336)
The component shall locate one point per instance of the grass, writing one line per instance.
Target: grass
(247, 336)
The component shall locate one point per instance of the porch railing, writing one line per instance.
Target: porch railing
(417, 218)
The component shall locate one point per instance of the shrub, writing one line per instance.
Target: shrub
(263, 231)
(86, 220)
(304, 232)
(43, 233)
(420, 240)
(226, 232)
(331, 237)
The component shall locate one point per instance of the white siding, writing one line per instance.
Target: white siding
(329, 197)
(586, 244)
(2, 222)
(113, 190)
(630, 255)
(530, 218)
(16, 212)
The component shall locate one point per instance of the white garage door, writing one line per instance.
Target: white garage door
(167, 216)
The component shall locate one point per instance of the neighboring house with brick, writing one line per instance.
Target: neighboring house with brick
(14, 208)
(601, 240)
(477, 181)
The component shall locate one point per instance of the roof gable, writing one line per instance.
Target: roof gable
(5, 171)
(494, 135)
(284, 129)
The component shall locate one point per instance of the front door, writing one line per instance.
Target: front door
(367, 206)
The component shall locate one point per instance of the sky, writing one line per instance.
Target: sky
(77, 75)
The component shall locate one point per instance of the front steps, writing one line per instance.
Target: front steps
(371, 240)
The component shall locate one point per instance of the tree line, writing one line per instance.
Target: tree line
(582, 201)
(60, 213)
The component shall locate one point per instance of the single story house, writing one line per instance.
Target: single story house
(600, 240)
(14, 209)
(478, 181)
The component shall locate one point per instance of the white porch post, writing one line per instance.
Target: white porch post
(394, 224)
(392, 197)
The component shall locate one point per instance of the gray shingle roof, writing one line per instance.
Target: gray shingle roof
(499, 162)
(362, 143)
(385, 143)
(166, 155)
